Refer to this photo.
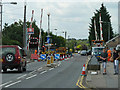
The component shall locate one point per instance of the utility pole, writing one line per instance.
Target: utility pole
(24, 30)
(40, 38)
(48, 40)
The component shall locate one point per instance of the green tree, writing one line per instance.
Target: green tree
(13, 34)
(106, 24)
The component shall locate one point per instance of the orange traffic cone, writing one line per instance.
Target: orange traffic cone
(63, 57)
(83, 71)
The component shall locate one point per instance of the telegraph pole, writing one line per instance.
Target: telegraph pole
(48, 40)
(24, 30)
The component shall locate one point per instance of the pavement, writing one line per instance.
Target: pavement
(65, 75)
(103, 81)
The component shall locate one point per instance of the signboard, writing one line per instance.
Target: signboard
(52, 59)
(30, 30)
(43, 56)
(34, 56)
(48, 40)
(48, 60)
(57, 56)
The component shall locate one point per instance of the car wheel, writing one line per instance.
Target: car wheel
(24, 69)
(9, 57)
(4, 69)
(20, 69)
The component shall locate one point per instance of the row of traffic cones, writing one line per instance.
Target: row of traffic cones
(64, 57)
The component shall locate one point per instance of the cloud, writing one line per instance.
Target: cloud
(72, 17)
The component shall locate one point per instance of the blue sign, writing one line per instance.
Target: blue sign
(43, 56)
(48, 40)
(48, 58)
(57, 56)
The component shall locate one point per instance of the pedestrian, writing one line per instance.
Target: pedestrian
(104, 57)
(109, 54)
(115, 61)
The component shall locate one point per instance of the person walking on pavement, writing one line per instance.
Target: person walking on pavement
(104, 57)
(115, 61)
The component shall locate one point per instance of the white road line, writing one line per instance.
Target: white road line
(13, 83)
(31, 76)
(43, 72)
(22, 76)
(5, 83)
(40, 68)
(33, 71)
(51, 69)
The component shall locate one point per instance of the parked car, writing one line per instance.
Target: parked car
(88, 52)
(118, 47)
(13, 56)
(79, 52)
(83, 52)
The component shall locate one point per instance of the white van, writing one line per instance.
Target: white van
(118, 47)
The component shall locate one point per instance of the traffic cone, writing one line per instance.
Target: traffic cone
(83, 71)
(63, 57)
(60, 58)
(38, 60)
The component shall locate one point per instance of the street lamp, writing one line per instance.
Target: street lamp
(56, 31)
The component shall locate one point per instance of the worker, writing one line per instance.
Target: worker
(35, 51)
(109, 54)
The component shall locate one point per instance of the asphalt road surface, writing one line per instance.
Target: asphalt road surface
(63, 76)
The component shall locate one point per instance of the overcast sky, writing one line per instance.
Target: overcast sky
(73, 17)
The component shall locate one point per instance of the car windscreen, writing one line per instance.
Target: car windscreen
(6, 50)
(97, 50)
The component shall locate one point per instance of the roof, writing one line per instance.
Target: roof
(10, 46)
(112, 39)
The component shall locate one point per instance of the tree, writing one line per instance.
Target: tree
(106, 24)
(13, 34)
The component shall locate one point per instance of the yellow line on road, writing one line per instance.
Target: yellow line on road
(80, 80)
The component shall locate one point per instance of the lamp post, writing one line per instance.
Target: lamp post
(56, 31)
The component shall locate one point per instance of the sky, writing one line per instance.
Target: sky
(70, 16)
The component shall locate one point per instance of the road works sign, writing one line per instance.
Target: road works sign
(30, 30)
(57, 56)
(43, 56)
(48, 60)
(34, 56)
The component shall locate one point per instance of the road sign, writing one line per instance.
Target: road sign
(57, 56)
(30, 30)
(43, 56)
(52, 59)
(48, 60)
(48, 40)
(34, 56)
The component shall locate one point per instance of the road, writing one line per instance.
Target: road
(63, 76)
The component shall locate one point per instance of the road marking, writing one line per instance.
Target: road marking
(33, 71)
(51, 69)
(80, 80)
(13, 83)
(22, 76)
(31, 76)
(43, 72)
(40, 68)
(5, 83)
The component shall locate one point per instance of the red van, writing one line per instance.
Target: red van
(12, 57)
